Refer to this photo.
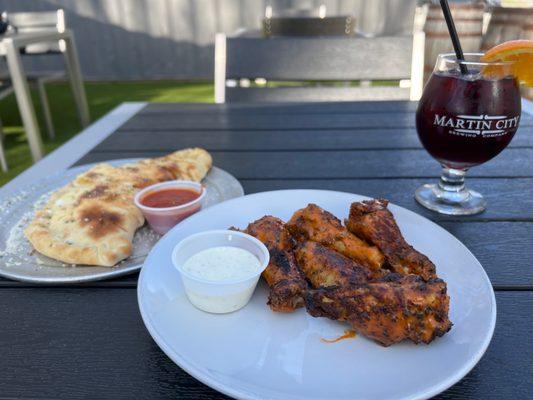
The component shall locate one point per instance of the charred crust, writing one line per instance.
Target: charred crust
(286, 296)
(99, 221)
(97, 192)
(280, 258)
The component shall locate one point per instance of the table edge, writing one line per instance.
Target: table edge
(72, 150)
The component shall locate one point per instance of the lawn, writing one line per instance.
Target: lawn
(102, 98)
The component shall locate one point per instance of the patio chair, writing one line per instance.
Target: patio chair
(32, 22)
(314, 59)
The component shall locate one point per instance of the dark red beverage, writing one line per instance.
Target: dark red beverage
(465, 120)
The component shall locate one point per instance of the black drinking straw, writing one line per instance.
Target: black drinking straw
(453, 34)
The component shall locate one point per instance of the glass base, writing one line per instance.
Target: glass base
(466, 202)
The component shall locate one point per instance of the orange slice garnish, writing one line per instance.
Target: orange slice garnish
(520, 52)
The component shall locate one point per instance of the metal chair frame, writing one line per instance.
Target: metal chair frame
(5, 91)
(32, 22)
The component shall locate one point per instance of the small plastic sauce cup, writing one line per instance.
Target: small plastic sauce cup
(219, 296)
(162, 219)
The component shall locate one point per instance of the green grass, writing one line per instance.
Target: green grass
(102, 98)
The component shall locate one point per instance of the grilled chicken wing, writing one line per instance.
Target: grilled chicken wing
(314, 223)
(324, 267)
(372, 221)
(389, 311)
(282, 275)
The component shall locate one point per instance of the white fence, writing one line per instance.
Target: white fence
(154, 39)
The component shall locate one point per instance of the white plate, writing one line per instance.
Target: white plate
(19, 261)
(255, 353)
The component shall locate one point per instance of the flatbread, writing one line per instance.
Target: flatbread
(92, 220)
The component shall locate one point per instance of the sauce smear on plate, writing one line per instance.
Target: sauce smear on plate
(347, 334)
(171, 197)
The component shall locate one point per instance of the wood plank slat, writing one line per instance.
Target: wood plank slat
(265, 121)
(505, 197)
(277, 140)
(495, 245)
(48, 354)
(312, 94)
(332, 108)
(342, 164)
(397, 120)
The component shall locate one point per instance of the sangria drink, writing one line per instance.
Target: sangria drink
(463, 120)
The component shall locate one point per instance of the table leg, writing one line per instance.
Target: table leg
(76, 80)
(22, 93)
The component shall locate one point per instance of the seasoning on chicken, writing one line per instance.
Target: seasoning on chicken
(324, 267)
(314, 223)
(282, 275)
(388, 311)
(372, 221)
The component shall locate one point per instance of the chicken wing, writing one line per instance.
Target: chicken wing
(372, 221)
(324, 267)
(282, 275)
(314, 223)
(389, 311)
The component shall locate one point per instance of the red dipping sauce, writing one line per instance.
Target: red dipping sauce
(170, 197)
(166, 204)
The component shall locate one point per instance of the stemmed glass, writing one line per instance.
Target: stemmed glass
(463, 120)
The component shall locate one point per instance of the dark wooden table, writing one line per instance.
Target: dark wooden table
(88, 341)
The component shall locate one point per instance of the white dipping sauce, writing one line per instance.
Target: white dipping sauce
(223, 263)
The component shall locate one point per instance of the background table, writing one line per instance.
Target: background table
(88, 341)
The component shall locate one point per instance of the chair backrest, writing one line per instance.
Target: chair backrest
(311, 59)
(309, 26)
(32, 22)
(295, 12)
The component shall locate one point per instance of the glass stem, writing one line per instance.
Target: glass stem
(452, 180)
(452, 186)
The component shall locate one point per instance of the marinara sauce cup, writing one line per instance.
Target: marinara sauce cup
(162, 219)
